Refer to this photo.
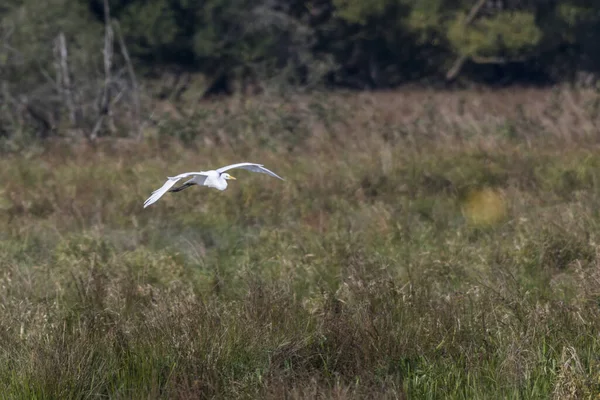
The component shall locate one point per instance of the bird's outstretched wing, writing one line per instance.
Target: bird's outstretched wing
(250, 167)
(172, 180)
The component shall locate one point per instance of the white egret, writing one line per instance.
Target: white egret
(214, 178)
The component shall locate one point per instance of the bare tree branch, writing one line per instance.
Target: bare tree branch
(105, 112)
(136, 93)
(65, 78)
(458, 64)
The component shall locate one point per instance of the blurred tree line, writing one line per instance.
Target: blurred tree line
(80, 58)
(359, 43)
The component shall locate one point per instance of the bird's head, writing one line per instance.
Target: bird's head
(226, 176)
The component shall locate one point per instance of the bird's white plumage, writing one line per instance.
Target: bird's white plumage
(214, 178)
(250, 167)
(172, 180)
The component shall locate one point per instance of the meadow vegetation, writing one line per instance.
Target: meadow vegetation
(423, 245)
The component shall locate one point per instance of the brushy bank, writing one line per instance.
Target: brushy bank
(423, 245)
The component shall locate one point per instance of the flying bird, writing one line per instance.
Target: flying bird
(214, 178)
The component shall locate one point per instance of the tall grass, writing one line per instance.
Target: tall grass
(423, 245)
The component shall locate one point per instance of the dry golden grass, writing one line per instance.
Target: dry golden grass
(423, 245)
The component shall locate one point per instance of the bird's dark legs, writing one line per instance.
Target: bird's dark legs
(180, 188)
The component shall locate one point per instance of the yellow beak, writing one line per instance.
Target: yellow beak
(232, 177)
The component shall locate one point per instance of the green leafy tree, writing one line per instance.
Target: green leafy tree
(216, 37)
(531, 33)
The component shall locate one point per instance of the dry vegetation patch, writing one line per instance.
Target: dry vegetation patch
(423, 245)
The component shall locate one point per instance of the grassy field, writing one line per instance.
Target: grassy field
(423, 245)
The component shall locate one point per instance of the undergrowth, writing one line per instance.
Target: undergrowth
(409, 253)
